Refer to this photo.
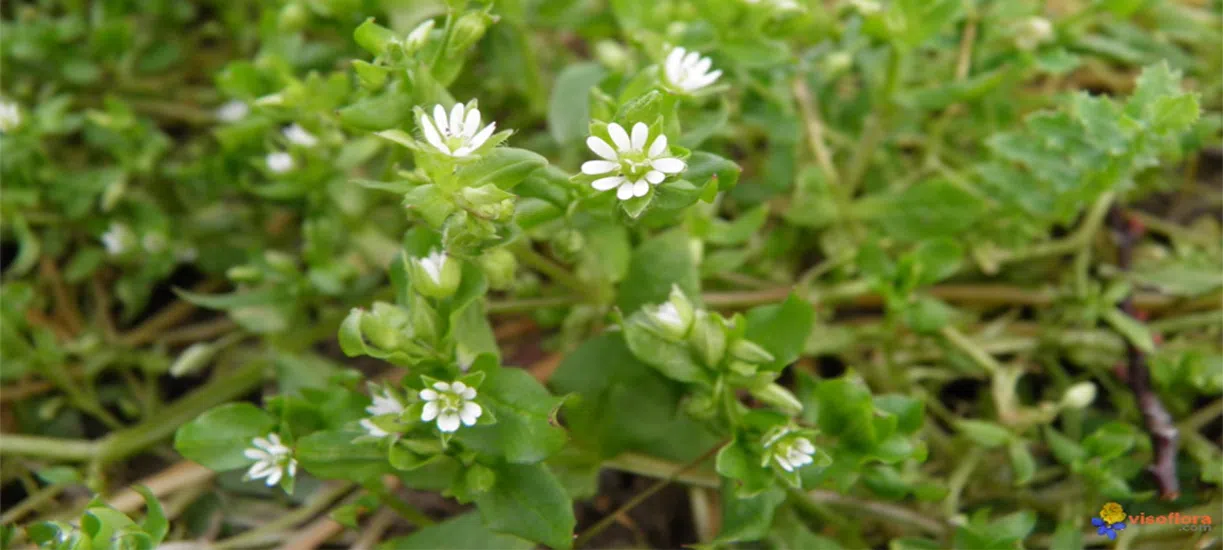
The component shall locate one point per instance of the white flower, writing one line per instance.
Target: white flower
(793, 453)
(232, 111)
(416, 39)
(667, 313)
(457, 134)
(280, 162)
(433, 265)
(10, 116)
(273, 460)
(630, 168)
(384, 403)
(118, 239)
(299, 136)
(687, 71)
(450, 404)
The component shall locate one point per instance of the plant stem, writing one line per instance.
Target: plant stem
(815, 129)
(971, 349)
(1080, 238)
(958, 479)
(553, 270)
(72, 450)
(520, 305)
(658, 468)
(893, 513)
(321, 501)
(405, 510)
(642, 496)
(31, 502)
(873, 133)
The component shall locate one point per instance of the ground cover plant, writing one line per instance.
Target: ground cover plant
(788, 274)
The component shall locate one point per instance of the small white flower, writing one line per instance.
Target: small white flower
(416, 39)
(280, 162)
(687, 71)
(10, 116)
(299, 136)
(630, 168)
(450, 404)
(118, 239)
(232, 111)
(668, 314)
(457, 134)
(794, 453)
(433, 265)
(273, 460)
(384, 403)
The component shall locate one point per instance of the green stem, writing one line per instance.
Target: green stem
(520, 305)
(1079, 239)
(649, 466)
(959, 478)
(255, 537)
(31, 502)
(447, 32)
(553, 270)
(71, 450)
(405, 510)
(873, 134)
(971, 349)
(892, 512)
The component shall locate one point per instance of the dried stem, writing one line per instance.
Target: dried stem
(1164, 435)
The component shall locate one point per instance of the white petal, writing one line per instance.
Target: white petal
(703, 65)
(439, 119)
(595, 167)
(784, 464)
(430, 411)
(610, 182)
(803, 444)
(619, 137)
(256, 454)
(641, 188)
(456, 119)
(441, 386)
(428, 395)
(432, 136)
(260, 469)
(275, 477)
(471, 123)
(672, 65)
(461, 151)
(668, 165)
(292, 467)
(707, 79)
(625, 192)
(469, 393)
(470, 413)
(448, 422)
(641, 133)
(655, 177)
(479, 139)
(261, 443)
(658, 147)
(601, 148)
(690, 59)
(458, 387)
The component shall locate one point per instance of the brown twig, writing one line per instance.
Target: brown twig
(1164, 435)
(165, 482)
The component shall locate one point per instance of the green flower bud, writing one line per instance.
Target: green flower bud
(780, 397)
(419, 36)
(292, 17)
(489, 202)
(673, 317)
(751, 352)
(701, 406)
(708, 338)
(372, 77)
(468, 30)
(244, 274)
(613, 56)
(436, 275)
(742, 368)
(424, 320)
(499, 266)
(1079, 395)
(385, 325)
(567, 243)
(479, 478)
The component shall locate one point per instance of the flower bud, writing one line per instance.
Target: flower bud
(292, 17)
(708, 338)
(479, 478)
(384, 326)
(281, 262)
(244, 274)
(418, 37)
(566, 244)
(1032, 32)
(436, 275)
(751, 352)
(673, 317)
(499, 266)
(468, 30)
(424, 320)
(489, 202)
(701, 406)
(1079, 395)
(613, 56)
(780, 397)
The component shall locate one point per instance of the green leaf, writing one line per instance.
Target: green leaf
(569, 106)
(741, 229)
(504, 167)
(383, 112)
(748, 518)
(331, 454)
(1067, 451)
(528, 501)
(782, 329)
(986, 434)
(936, 260)
(846, 411)
(463, 532)
(1111, 440)
(1175, 113)
(526, 429)
(703, 167)
(372, 37)
(1023, 465)
(1137, 333)
(217, 438)
(737, 462)
(155, 523)
(671, 358)
(927, 210)
(656, 265)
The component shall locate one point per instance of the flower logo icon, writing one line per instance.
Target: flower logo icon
(1111, 520)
